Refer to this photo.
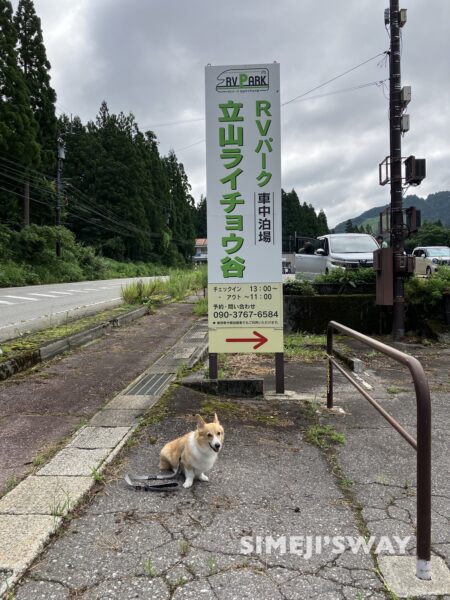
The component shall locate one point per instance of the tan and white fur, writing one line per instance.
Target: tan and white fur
(196, 451)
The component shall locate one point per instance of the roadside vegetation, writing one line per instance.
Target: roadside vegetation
(28, 257)
(178, 284)
(28, 342)
(428, 291)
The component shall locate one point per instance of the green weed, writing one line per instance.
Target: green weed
(97, 476)
(324, 436)
(184, 547)
(200, 308)
(149, 568)
(212, 565)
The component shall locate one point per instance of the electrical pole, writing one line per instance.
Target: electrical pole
(395, 115)
(26, 204)
(61, 157)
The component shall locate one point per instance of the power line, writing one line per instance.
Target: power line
(350, 89)
(190, 145)
(174, 123)
(333, 79)
(28, 170)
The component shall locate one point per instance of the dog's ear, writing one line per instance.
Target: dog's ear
(200, 422)
(216, 418)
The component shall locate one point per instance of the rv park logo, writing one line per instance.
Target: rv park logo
(255, 80)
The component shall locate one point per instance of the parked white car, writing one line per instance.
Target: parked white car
(428, 259)
(345, 250)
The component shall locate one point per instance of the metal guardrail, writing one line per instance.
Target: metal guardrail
(423, 443)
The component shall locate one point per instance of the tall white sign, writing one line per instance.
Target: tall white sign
(244, 208)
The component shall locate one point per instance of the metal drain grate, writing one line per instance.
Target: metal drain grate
(150, 385)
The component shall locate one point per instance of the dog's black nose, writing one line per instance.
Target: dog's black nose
(217, 445)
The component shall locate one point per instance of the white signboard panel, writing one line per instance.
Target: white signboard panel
(244, 208)
(243, 173)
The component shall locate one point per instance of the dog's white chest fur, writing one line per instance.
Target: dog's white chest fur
(200, 460)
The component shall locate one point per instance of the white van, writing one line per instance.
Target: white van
(345, 250)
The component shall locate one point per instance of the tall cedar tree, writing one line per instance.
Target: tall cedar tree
(123, 198)
(181, 207)
(19, 148)
(36, 69)
(33, 61)
(201, 228)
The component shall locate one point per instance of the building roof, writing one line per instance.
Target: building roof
(201, 242)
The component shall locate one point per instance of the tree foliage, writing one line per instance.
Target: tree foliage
(18, 128)
(300, 220)
(122, 197)
(430, 234)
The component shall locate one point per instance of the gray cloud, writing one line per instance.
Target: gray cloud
(148, 57)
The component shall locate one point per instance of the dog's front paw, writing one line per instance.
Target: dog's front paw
(203, 477)
(188, 483)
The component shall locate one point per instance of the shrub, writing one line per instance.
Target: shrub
(299, 287)
(428, 291)
(353, 277)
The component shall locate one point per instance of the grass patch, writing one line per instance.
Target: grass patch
(223, 407)
(178, 284)
(305, 347)
(393, 389)
(30, 342)
(324, 436)
(200, 308)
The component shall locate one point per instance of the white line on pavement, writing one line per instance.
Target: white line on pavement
(43, 295)
(21, 298)
(63, 293)
(6, 302)
(90, 290)
(76, 291)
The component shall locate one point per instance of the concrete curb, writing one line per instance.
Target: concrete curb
(30, 359)
(85, 457)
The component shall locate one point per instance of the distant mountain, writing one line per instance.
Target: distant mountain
(434, 208)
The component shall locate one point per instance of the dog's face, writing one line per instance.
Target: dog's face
(210, 434)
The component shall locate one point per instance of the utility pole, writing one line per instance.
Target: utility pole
(26, 204)
(61, 157)
(395, 119)
(391, 264)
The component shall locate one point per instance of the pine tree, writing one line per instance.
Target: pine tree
(18, 128)
(201, 230)
(36, 69)
(181, 216)
(322, 223)
(349, 227)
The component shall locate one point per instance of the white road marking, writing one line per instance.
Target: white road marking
(76, 291)
(21, 298)
(6, 302)
(90, 290)
(64, 293)
(43, 295)
(66, 311)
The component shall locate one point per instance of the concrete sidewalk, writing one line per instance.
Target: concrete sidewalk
(268, 481)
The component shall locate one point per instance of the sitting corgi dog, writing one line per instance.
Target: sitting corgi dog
(196, 452)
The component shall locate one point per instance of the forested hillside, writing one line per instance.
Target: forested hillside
(433, 208)
(117, 193)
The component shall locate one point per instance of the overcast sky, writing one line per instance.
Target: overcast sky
(148, 56)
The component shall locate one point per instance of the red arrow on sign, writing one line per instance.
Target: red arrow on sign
(259, 339)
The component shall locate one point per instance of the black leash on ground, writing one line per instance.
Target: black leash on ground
(139, 482)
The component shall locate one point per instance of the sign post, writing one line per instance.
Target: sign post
(245, 291)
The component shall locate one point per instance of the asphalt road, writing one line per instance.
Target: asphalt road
(24, 309)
